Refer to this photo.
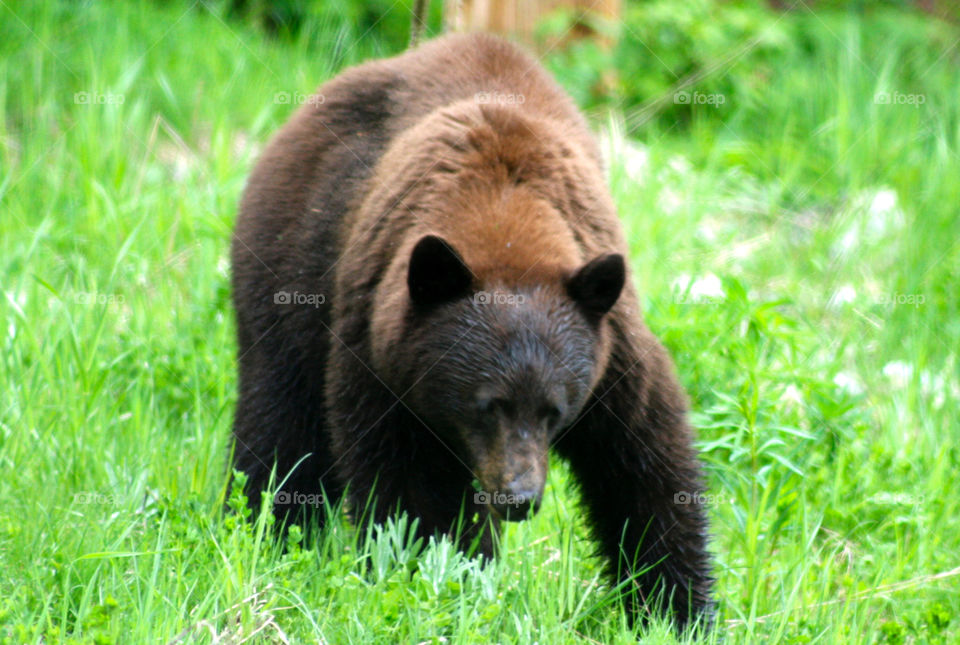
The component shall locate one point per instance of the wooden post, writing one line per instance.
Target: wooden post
(518, 19)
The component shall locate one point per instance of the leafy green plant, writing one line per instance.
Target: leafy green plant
(794, 248)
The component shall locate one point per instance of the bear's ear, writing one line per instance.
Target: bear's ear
(597, 284)
(437, 272)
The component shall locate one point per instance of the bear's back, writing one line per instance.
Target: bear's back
(320, 158)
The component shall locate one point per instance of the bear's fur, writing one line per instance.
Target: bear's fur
(460, 303)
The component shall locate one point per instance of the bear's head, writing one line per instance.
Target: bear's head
(497, 371)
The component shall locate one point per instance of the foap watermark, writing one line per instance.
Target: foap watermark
(298, 98)
(96, 298)
(297, 498)
(507, 298)
(93, 497)
(899, 98)
(499, 98)
(901, 499)
(296, 298)
(699, 98)
(98, 98)
(697, 497)
(895, 299)
(483, 498)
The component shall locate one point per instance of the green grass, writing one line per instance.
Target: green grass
(795, 248)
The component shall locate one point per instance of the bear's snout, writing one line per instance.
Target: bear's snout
(520, 496)
(515, 480)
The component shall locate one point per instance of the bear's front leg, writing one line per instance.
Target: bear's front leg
(632, 452)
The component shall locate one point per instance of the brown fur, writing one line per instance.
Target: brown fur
(377, 389)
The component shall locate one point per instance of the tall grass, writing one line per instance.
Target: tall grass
(795, 248)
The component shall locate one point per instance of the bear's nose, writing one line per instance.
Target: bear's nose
(518, 500)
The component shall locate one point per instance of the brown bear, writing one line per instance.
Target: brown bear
(431, 292)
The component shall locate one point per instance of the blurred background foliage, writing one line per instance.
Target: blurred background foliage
(773, 228)
(662, 47)
(747, 58)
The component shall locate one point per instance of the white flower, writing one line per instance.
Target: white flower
(844, 295)
(703, 289)
(872, 215)
(898, 372)
(848, 382)
(636, 160)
